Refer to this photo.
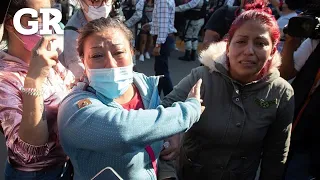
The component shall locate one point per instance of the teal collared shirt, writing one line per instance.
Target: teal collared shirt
(103, 134)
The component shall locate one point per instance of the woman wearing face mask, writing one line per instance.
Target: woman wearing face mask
(30, 92)
(90, 10)
(116, 121)
(249, 107)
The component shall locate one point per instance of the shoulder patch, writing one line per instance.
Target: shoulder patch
(83, 103)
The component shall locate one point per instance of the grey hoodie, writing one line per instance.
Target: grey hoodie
(241, 125)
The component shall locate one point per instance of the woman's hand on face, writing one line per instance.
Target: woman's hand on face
(42, 59)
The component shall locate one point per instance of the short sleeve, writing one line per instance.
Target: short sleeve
(216, 22)
(302, 54)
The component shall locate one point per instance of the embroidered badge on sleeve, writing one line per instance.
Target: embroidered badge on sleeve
(83, 103)
(265, 104)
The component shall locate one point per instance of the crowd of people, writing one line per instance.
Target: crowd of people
(73, 105)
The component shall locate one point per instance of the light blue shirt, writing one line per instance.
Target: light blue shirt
(72, 61)
(103, 134)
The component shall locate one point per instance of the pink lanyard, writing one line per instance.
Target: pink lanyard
(152, 157)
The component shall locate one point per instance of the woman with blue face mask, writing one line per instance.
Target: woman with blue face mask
(116, 121)
(90, 10)
(33, 83)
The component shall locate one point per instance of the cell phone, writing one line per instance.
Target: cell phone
(107, 173)
(3, 9)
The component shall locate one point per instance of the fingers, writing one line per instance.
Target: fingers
(166, 151)
(202, 109)
(171, 156)
(192, 90)
(49, 54)
(50, 57)
(53, 55)
(45, 43)
(197, 87)
(195, 90)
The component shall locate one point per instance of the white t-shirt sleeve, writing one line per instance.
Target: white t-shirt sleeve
(282, 21)
(302, 54)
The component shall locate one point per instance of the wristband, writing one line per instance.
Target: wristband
(31, 91)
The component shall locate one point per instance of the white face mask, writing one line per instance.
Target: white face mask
(99, 12)
(111, 82)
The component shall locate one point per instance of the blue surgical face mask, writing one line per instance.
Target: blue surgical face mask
(111, 82)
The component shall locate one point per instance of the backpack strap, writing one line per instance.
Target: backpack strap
(72, 28)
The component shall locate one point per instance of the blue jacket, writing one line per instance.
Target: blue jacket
(104, 134)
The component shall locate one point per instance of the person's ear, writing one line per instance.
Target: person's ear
(9, 25)
(227, 49)
(273, 52)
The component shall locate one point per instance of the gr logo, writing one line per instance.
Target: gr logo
(50, 18)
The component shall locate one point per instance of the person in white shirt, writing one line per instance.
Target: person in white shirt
(303, 66)
(294, 56)
(286, 14)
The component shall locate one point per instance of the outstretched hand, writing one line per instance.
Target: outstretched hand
(195, 93)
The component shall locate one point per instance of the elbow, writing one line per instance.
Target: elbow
(125, 136)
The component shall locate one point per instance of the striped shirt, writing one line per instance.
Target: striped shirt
(163, 20)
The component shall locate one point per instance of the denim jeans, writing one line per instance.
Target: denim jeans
(58, 173)
(298, 167)
(161, 66)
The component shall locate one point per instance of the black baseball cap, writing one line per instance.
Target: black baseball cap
(3, 12)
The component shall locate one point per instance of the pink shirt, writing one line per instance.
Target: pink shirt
(22, 155)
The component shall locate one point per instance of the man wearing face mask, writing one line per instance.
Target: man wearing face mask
(90, 10)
